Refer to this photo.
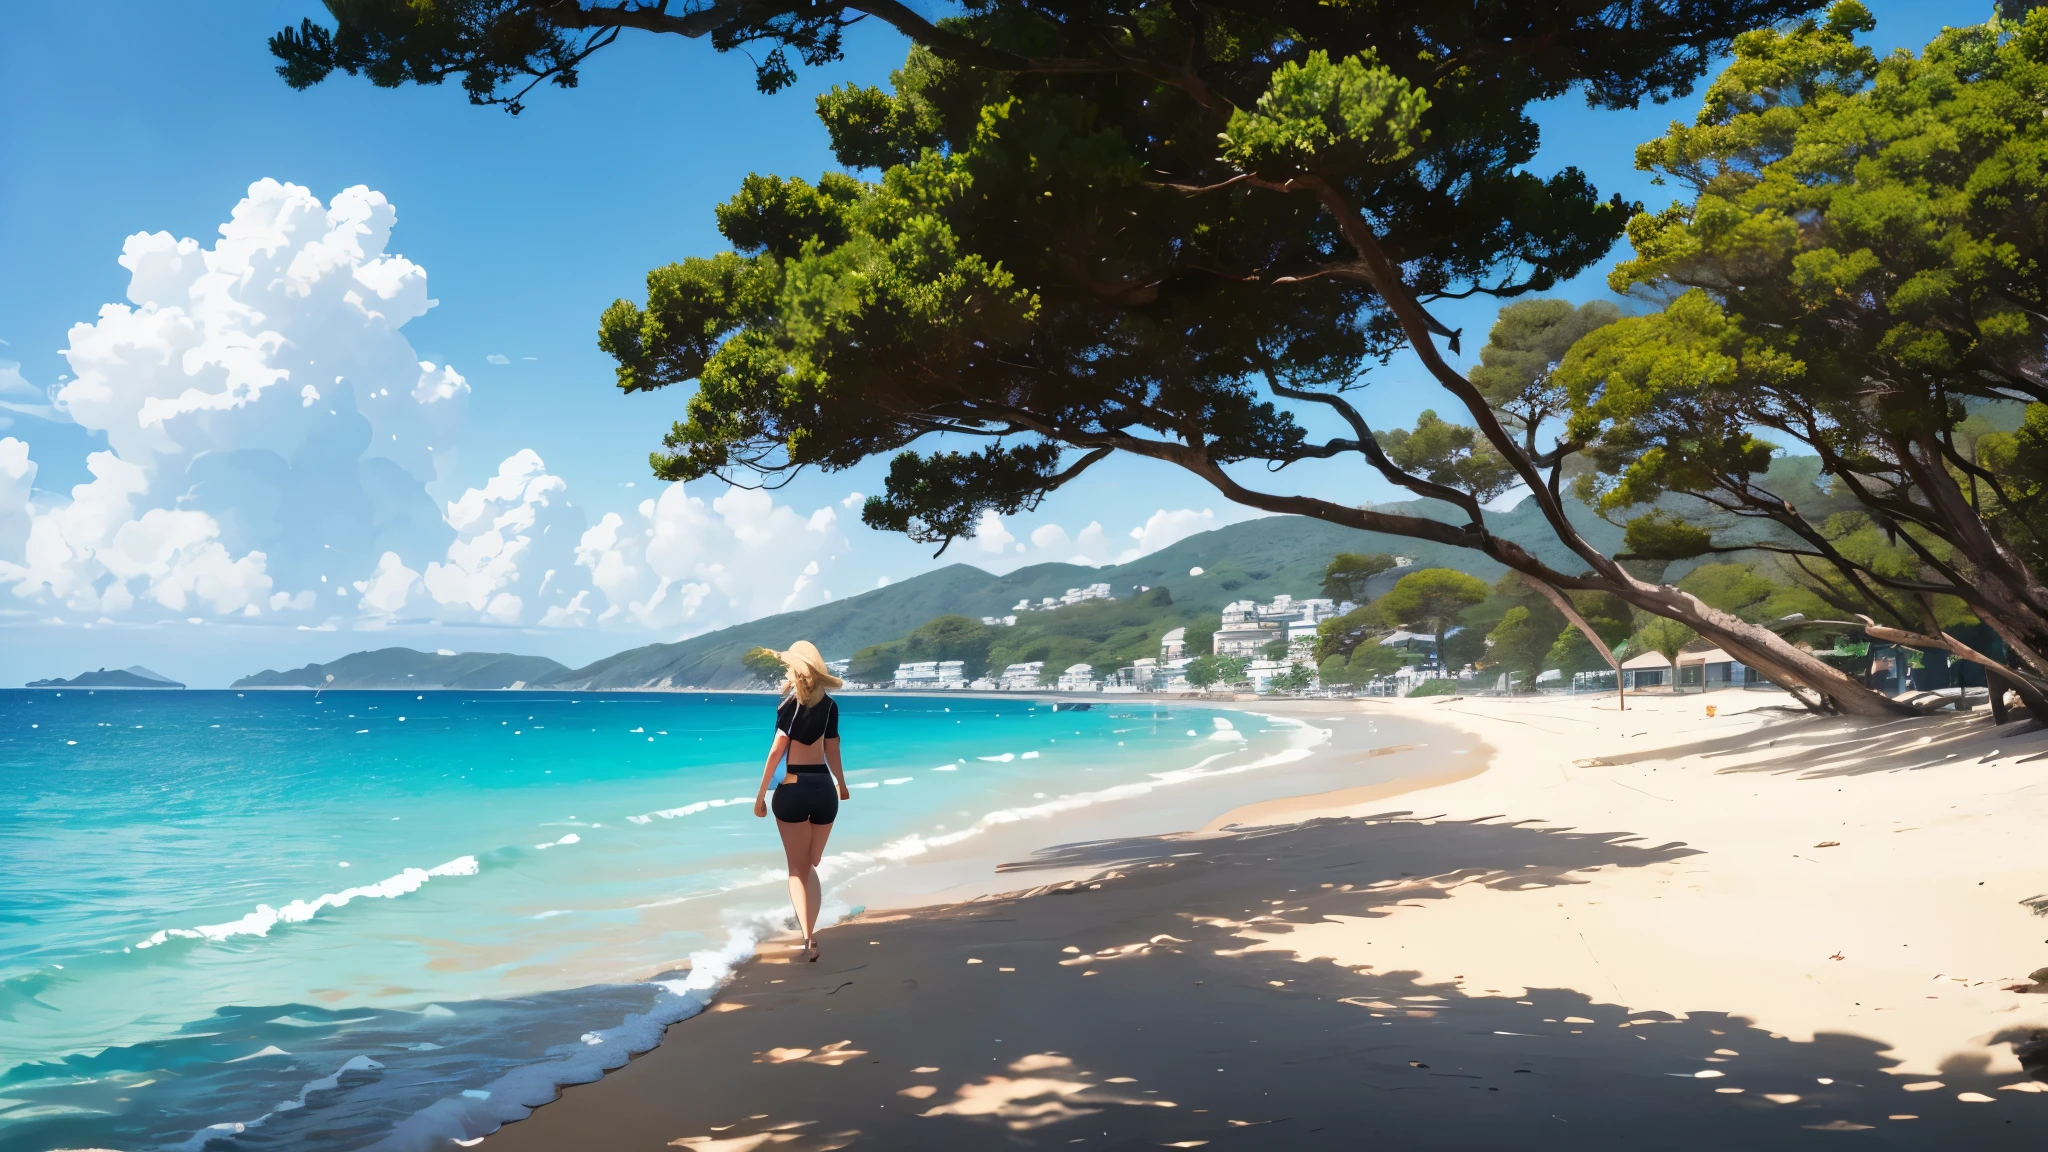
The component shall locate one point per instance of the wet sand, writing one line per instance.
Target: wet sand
(1599, 941)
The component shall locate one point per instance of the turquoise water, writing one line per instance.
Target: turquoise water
(276, 920)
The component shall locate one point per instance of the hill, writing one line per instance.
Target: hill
(1254, 559)
(406, 668)
(136, 677)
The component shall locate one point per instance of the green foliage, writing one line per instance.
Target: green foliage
(1299, 678)
(1659, 535)
(1431, 600)
(1517, 367)
(1519, 644)
(1019, 261)
(1275, 649)
(1435, 688)
(1205, 671)
(1855, 269)
(1319, 116)
(1572, 653)
(1348, 573)
(1666, 637)
(1340, 634)
(764, 664)
(1450, 454)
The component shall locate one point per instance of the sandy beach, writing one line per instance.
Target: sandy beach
(1542, 923)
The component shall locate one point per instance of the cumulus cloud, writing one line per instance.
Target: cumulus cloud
(17, 479)
(266, 422)
(1167, 527)
(1091, 546)
(680, 562)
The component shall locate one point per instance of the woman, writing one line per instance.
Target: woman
(807, 800)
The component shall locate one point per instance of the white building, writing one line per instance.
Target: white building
(1000, 621)
(1261, 672)
(1022, 677)
(931, 674)
(1078, 678)
(1249, 626)
(1173, 645)
(838, 667)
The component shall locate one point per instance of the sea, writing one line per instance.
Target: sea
(392, 920)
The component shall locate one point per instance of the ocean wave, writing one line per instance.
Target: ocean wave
(687, 809)
(264, 918)
(1303, 738)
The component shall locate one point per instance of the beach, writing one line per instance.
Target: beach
(1562, 925)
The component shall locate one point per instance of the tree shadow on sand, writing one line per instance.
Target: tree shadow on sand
(1127, 1012)
(1824, 747)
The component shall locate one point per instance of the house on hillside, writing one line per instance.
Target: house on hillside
(1173, 645)
(1078, 678)
(930, 674)
(1249, 626)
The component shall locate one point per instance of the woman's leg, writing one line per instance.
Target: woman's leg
(803, 875)
(812, 886)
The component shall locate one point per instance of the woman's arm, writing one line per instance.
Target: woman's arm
(775, 753)
(838, 770)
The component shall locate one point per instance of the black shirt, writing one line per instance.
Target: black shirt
(808, 725)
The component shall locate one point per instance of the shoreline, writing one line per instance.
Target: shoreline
(1348, 956)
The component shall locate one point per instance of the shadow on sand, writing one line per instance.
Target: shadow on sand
(1125, 1012)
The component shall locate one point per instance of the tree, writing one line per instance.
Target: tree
(764, 664)
(1276, 648)
(1667, 638)
(1204, 671)
(1165, 230)
(1300, 678)
(1432, 599)
(1856, 272)
(1348, 572)
(1517, 370)
(1518, 644)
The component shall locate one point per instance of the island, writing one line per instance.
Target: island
(136, 677)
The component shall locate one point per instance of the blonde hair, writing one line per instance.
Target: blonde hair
(805, 674)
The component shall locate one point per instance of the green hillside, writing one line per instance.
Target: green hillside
(406, 668)
(1256, 559)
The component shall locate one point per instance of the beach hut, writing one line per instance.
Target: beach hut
(1645, 670)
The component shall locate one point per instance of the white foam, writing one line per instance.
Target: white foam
(1005, 758)
(898, 780)
(1030, 756)
(1303, 738)
(266, 1050)
(947, 768)
(474, 1113)
(198, 1141)
(264, 918)
(571, 838)
(688, 809)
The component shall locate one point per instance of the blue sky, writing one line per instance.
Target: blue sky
(129, 117)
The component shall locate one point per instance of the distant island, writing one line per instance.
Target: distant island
(406, 668)
(136, 677)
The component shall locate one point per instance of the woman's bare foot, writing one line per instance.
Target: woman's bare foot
(811, 951)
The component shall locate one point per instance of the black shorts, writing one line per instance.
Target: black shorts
(806, 796)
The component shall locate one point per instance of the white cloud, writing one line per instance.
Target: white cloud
(680, 563)
(266, 422)
(1167, 527)
(990, 535)
(17, 479)
(1090, 547)
(497, 358)
(512, 536)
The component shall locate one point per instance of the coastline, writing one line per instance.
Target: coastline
(1618, 929)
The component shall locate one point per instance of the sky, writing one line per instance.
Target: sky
(285, 375)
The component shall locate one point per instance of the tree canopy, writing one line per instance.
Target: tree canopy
(1432, 599)
(1857, 273)
(1348, 573)
(1175, 231)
